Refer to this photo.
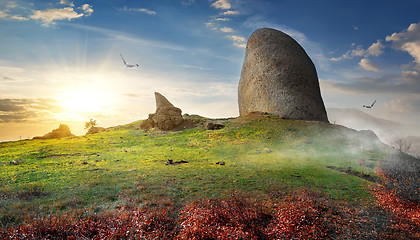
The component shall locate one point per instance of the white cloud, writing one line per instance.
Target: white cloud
(19, 18)
(147, 11)
(3, 14)
(237, 38)
(238, 41)
(66, 2)
(368, 65)
(413, 48)
(411, 77)
(240, 45)
(49, 16)
(376, 49)
(221, 4)
(357, 52)
(224, 5)
(140, 10)
(226, 29)
(230, 12)
(413, 73)
(407, 40)
(87, 9)
(211, 25)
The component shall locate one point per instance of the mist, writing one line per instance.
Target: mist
(405, 137)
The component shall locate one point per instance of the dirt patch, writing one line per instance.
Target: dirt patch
(348, 170)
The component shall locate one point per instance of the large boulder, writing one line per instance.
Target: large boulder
(278, 77)
(61, 132)
(166, 118)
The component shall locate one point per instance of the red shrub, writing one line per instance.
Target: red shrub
(220, 219)
(126, 224)
(407, 213)
(304, 215)
(297, 217)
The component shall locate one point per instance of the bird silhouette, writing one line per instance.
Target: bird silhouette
(369, 106)
(128, 65)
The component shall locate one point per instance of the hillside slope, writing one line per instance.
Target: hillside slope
(270, 177)
(389, 132)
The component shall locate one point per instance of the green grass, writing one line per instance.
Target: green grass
(263, 155)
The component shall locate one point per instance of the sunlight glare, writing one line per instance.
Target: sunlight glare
(83, 101)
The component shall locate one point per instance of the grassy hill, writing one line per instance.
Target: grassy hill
(280, 179)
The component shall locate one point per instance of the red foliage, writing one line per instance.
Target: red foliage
(407, 213)
(398, 195)
(126, 224)
(297, 218)
(398, 206)
(223, 219)
(303, 215)
(309, 215)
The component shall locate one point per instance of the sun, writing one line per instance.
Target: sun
(84, 101)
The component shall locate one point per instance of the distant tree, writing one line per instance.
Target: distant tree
(92, 123)
(402, 144)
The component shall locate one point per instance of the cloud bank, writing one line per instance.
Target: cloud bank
(26, 110)
(47, 17)
(221, 4)
(408, 41)
(368, 65)
(375, 49)
(215, 22)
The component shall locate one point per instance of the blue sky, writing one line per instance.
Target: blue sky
(60, 59)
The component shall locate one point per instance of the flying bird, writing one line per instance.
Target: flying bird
(369, 106)
(128, 65)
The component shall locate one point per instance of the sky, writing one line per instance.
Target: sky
(60, 59)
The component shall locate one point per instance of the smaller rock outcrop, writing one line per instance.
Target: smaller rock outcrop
(214, 126)
(94, 130)
(61, 132)
(167, 117)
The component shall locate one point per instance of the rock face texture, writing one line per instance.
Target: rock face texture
(166, 118)
(278, 77)
(62, 131)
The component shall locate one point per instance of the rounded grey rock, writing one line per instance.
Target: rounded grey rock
(278, 77)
